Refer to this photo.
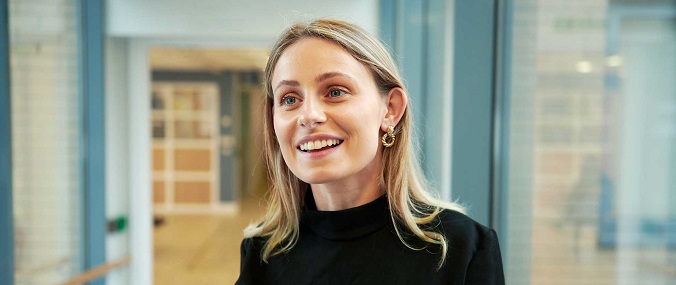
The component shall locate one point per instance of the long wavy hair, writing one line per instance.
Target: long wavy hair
(413, 208)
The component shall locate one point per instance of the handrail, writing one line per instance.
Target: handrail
(97, 272)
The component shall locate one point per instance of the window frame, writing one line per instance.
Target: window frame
(471, 148)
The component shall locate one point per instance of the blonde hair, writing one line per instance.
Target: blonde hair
(412, 207)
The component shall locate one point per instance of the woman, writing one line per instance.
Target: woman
(348, 201)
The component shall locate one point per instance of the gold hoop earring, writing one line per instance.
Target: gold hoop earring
(388, 138)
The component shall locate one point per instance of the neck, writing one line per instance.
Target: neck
(345, 194)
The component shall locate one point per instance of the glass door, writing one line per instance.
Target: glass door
(185, 158)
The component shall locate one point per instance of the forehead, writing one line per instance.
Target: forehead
(310, 56)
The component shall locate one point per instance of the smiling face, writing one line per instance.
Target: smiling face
(327, 113)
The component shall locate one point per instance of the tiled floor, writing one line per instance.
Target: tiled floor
(201, 249)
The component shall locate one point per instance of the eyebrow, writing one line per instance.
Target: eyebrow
(318, 79)
(329, 75)
(292, 83)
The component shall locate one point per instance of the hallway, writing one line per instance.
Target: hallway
(201, 249)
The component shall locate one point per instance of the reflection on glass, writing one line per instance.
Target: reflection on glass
(594, 106)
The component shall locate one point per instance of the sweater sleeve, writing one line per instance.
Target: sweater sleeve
(242, 260)
(248, 269)
(486, 264)
(242, 255)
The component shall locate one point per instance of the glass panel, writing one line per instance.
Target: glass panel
(46, 145)
(592, 143)
(194, 129)
(159, 130)
(158, 101)
(186, 141)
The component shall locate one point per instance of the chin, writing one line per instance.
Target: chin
(317, 178)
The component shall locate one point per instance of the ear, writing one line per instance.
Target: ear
(396, 103)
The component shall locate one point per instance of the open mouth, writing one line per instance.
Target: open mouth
(318, 145)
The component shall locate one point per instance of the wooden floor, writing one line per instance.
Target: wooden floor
(204, 249)
(201, 249)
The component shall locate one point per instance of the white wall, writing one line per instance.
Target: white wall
(228, 19)
(117, 158)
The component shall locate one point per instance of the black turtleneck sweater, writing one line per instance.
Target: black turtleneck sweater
(359, 246)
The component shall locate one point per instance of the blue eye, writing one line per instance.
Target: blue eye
(336, 93)
(288, 100)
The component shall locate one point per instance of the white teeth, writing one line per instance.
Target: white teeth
(318, 144)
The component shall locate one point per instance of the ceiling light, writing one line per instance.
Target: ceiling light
(583, 66)
(614, 61)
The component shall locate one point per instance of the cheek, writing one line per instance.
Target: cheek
(282, 131)
(366, 124)
(370, 117)
(279, 134)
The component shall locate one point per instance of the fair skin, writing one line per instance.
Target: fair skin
(328, 116)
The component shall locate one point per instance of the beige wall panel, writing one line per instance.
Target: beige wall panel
(158, 192)
(158, 159)
(192, 192)
(192, 160)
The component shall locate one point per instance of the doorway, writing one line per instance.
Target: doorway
(206, 179)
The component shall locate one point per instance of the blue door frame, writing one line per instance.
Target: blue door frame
(92, 133)
(6, 212)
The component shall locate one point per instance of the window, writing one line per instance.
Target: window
(592, 143)
(47, 176)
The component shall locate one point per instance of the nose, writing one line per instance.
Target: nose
(312, 114)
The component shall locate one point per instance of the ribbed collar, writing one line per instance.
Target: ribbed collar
(345, 224)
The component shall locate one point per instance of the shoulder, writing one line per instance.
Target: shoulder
(454, 220)
(462, 231)
(473, 246)
(251, 266)
(252, 247)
